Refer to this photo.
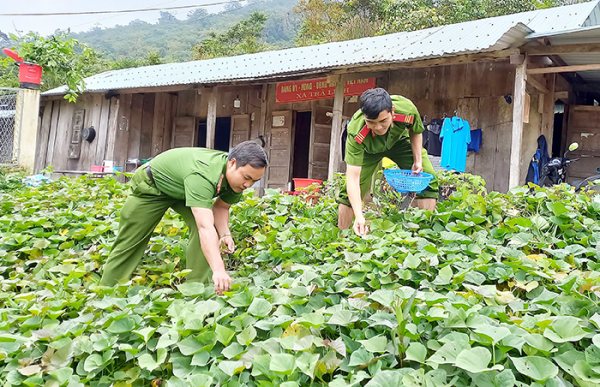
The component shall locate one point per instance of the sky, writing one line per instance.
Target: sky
(46, 25)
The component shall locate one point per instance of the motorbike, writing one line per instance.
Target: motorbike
(555, 172)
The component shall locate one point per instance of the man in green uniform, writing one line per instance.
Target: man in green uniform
(187, 180)
(385, 126)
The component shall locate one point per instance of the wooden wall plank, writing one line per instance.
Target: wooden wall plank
(170, 110)
(158, 122)
(122, 133)
(502, 78)
(502, 160)
(63, 135)
(187, 103)
(102, 131)
(456, 80)
(438, 82)
(43, 138)
(112, 129)
(478, 79)
(147, 125)
(135, 127)
(93, 110)
(53, 131)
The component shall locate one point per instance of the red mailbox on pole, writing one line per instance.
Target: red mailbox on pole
(30, 74)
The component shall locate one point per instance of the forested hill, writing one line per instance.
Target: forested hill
(173, 38)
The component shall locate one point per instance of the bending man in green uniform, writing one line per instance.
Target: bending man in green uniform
(187, 180)
(383, 127)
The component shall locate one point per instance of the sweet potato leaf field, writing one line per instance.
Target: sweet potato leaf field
(491, 290)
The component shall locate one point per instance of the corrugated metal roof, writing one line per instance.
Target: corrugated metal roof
(589, 34)
(483, 35)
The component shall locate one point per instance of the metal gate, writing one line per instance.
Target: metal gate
(11, 119)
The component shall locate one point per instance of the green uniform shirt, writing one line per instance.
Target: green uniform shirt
(379, 144)
(196, 175)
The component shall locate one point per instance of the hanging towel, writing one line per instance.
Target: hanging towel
(475, 140)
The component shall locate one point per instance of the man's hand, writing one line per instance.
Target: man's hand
(227, 240)
(417, 167)
(360, 226)
(222, 281)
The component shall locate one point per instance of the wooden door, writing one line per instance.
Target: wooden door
(320, 140)
(240, 129)
(280, 145)
(584, 129)
(184, 132)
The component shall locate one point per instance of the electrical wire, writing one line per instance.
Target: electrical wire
(121, 11)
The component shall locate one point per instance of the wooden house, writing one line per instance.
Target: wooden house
(515, 77)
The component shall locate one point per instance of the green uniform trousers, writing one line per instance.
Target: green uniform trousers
(401, 154)
(141, 213)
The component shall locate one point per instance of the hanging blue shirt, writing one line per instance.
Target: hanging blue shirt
(455, 135)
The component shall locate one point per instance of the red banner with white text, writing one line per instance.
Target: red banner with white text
(314, 89)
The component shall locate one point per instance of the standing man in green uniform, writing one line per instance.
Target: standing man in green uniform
(187, 180)
(385, 126)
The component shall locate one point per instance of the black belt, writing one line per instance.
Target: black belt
(149, 173)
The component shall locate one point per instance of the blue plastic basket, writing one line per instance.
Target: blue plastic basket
(405, 181)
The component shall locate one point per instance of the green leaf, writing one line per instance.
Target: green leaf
(307, 363)
(145, 333)
(260, 307)
(246, 336)
(444, 276)
(557, 207)
(375, 344)
(474, 360)
(283, 364)
(200, 380)
(93, 362)
(315, 320)
(563, 329)
(388, 378)
(168, 339)
(537, 368)
(343, 318)
(189, 346)
(147, 362)
(448, 353)
(62, 374)
(191, 289)
(224, 335)
(126, 324)
(505, 378)
(384, 297)
(232, 350)
(416, 352)
(241, 300)
(585, 371)
(360, 357)
(232, 367)
(200, 359)
(495, 334)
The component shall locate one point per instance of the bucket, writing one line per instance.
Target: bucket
(303, 183)
(30, 75)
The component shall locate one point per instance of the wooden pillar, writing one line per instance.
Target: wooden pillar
(26, 127)
(517, 124)
(335, 147)
(263, 110)
(211, 118)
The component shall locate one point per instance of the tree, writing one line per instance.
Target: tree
(197, 14)
(65, 61)
(166, 17)
(336, 20)
(241, 38)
